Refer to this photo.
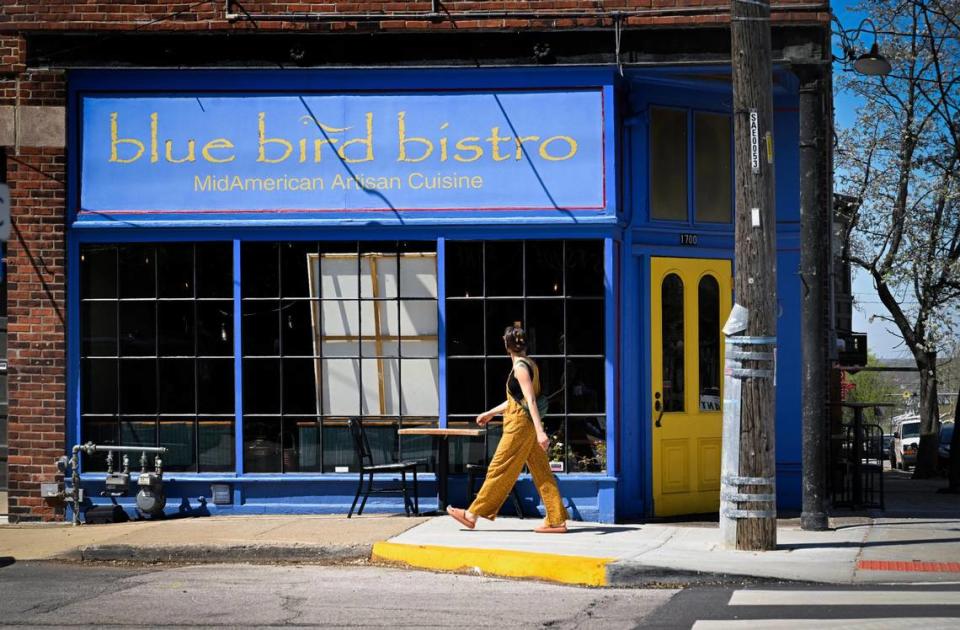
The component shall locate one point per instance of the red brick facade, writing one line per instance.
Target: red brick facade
(37, 175)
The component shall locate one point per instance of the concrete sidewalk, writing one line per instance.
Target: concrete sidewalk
(207, 539)
(855, 552)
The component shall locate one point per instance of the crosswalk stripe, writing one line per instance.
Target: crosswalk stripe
(924, 623)
(843, 598)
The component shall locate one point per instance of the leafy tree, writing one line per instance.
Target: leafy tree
(870, 386)
(901, 160)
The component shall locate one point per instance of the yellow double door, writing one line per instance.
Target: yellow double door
(690, 301)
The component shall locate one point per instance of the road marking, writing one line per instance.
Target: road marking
(924, 623)
(844, 598)
(912, 565)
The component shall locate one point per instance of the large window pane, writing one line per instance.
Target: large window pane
(672, 343)
(177, 383)
(215, 328)
(138, 333)
(544, 268)
(138, 386)
(261, 391)
(545, 326)
(503, 269)
(260, 264)
(708, 293)
(585, 390)
(261, 445)
(261, 328)
(175, 328)
(584, 268)
(465, 386)
(464, 271)
(98, 382)
(178, 435)
(464, 327)
(137, 271)
(712, 172)
(99, 329)
(214, 271)
(175, 270)
(215, 391)
(585, 327)
(668, 164)
(98, 271)
(295, 268)
(215, 441)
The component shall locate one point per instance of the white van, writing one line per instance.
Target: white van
(906, 441)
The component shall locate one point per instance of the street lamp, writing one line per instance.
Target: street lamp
(871, 63)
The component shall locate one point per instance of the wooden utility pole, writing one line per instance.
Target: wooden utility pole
(755, 272)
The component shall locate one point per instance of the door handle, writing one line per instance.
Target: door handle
(657, 406)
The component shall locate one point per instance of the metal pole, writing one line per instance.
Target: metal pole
(755, 273)
(813, 253)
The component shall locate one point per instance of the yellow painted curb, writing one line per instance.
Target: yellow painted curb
(581, 570)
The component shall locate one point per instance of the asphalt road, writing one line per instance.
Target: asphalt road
(803, 607)
(243, 596)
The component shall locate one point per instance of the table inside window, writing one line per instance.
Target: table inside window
(441, 440)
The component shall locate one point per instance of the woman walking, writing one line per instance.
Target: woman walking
(524, 442)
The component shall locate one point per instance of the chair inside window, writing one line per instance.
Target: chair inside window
(361, 447)
(478, 470)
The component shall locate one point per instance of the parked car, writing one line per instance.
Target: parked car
(906, 441)
(887, 444)
(943, 449)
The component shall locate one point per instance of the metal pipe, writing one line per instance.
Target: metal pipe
(89, 448)
(501, 15)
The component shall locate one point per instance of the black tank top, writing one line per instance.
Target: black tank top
(513, 385)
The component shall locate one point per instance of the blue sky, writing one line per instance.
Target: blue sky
(880, 341)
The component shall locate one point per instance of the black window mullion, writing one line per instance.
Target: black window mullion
(196, 371)
(156, 345)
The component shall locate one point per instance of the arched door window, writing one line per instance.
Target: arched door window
(672, 340)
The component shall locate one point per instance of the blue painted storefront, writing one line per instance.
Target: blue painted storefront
(604, 196)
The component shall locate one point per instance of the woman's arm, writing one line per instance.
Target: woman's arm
(487, 416)
(526, 385)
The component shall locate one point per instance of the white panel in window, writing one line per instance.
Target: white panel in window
(420, 382)
(418, 318)
(381, 387)
(418, 275)
(340, 319)
(338, 380)
(338, 276)
(386, 276)
(425, 349)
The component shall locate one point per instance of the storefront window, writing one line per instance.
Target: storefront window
(556, 288)
(332, 330)
(156, 351)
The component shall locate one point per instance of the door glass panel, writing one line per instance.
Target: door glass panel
(712, 185)
(672, 340)
(668, 164)
(708, 302)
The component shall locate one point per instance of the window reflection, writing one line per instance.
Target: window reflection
(672, 340)
(708, 303)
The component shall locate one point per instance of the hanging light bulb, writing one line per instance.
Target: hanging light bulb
(223, 331)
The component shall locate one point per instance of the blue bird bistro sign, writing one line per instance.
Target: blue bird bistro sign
(419, 151)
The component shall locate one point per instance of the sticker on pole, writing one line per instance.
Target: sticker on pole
(754, 141)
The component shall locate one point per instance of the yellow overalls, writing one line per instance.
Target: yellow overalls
(517, 447)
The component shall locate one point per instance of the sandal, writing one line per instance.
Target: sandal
(551, 529)
(461, 516)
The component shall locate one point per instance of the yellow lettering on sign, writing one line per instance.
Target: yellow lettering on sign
(495, 139)
(217, 143)
(402, 132)
(464, 145)
(571, 148)
(264, 141)
(366, 142)
(115, 141)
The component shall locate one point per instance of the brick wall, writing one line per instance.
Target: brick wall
(116, 15)
(35, 292)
